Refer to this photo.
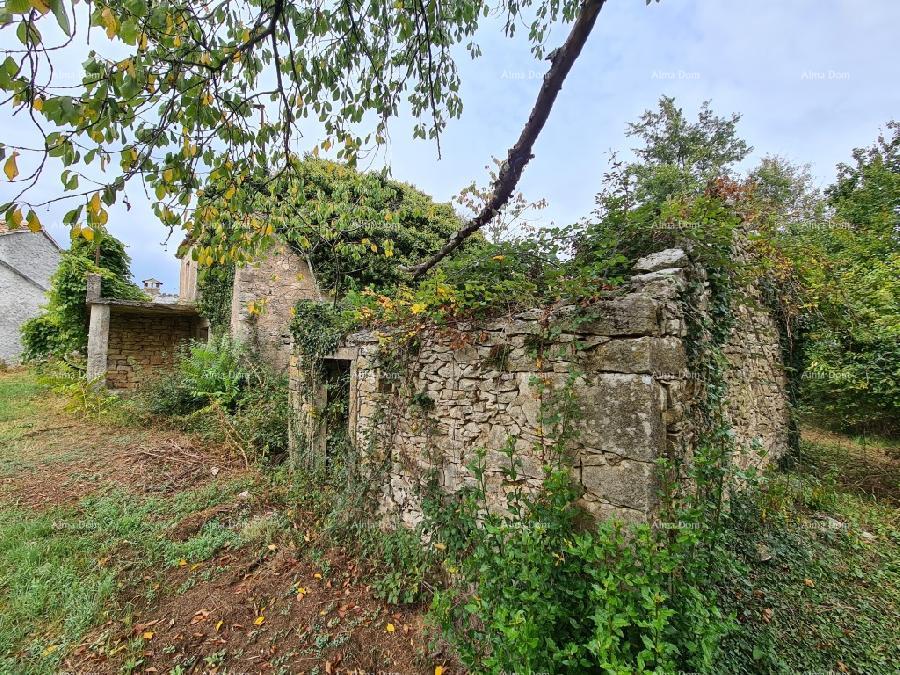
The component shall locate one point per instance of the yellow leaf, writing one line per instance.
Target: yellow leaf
(499, 258)
(259, 621)
(50, 649)
(109, 22)
(219, 625)
(34, 223)
(168, 175)
(441, 547)
(40, 6)
(389, 628)
(418, 308)
(38, 103)
(87, 233)
(16, 218)
(317, 575)
(94, 204)
(148, 634)
(10, 168)
(182, 562)
(142, 43)
(177, 41)
(439, 670)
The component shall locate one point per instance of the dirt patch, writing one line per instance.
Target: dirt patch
(278, 612)
(65, 459)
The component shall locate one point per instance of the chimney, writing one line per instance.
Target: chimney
(152, 286)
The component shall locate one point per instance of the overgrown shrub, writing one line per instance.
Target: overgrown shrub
(534, 591)
(221, 390)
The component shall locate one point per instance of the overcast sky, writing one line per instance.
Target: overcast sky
(812, 79)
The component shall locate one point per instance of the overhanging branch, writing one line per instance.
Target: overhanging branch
(520, 154)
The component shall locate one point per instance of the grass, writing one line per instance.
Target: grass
(816, 587)
(819, 585)
(63, 569)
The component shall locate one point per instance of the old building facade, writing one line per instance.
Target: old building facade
(27, 261)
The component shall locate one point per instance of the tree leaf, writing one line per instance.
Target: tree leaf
(34, 223)
(10, 168)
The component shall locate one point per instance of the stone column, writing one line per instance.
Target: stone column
(98, 341)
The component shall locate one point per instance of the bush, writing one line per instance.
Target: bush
(63, 328)
(531, 593)
(219, 390)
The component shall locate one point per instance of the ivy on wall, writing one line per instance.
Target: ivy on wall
(214, 289)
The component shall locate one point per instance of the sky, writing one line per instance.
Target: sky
(812, 79)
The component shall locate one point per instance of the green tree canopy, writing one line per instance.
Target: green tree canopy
(206, 100)
(358, 229)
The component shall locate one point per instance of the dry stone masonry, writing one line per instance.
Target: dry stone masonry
(475, 387)
(141, 345)
(263, 297)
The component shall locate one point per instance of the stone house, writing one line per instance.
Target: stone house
(263, 296)
(130, 340)
(475, 387)
(27, 261)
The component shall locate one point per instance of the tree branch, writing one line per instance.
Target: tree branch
(519, 155)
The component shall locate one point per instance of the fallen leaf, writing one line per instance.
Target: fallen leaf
(809, 582)
(259, 621)
(317, 575)
(390, 628)
(767, 615)
(439, 670)
(148, 634)
(272, 547)
(219, 625)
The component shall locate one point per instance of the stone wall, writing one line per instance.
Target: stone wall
(142, 344)
(263, 298)
(475, 387)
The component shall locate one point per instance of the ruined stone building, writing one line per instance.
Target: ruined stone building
(474, 387)
(27, 261)
(129, 340)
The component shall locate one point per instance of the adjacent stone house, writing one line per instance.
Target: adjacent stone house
(129, 341)
(27, 261)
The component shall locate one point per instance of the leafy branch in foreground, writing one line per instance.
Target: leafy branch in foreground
(201, 101)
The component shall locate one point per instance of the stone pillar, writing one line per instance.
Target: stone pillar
(98, 341)
(93, 288)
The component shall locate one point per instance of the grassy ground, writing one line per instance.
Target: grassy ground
(820, 586)
(133, 549)
(127, 548)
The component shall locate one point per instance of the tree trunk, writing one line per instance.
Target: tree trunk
(519, 155)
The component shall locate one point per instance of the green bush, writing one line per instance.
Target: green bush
(534, 591)
(63, 328)
(220, 390)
